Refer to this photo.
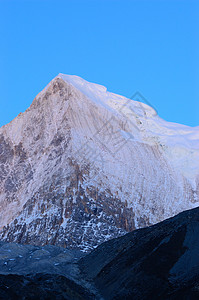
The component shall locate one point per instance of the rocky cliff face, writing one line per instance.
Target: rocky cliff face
(83, 165)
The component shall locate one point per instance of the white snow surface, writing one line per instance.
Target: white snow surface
(180, 142)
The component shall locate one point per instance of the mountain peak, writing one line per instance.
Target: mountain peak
(83, 165)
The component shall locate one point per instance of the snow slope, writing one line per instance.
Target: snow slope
(182, 141)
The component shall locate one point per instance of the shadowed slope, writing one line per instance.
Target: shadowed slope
(159, 262)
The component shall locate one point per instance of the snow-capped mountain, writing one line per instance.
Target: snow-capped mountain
(83, 165)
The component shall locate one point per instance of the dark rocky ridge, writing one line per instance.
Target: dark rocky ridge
(160, 262)
(41, 287)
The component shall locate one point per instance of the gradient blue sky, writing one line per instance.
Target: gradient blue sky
(148, 46)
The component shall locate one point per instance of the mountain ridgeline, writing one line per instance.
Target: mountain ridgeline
(82, 165)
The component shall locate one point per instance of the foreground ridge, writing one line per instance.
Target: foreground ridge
(158, 262)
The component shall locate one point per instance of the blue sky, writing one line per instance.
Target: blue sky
(148, 46)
